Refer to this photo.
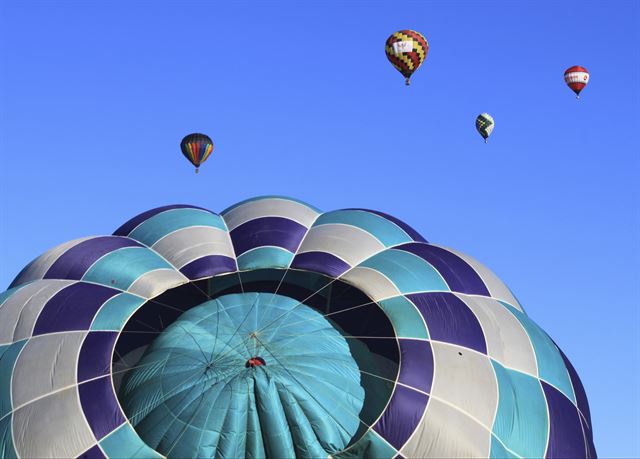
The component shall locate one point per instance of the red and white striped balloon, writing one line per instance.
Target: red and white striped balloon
(576, 78)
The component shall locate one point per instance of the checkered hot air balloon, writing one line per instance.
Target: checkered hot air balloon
(576, 78)
(276, 330)
(406, 50)
(484, 125)
(196, 148)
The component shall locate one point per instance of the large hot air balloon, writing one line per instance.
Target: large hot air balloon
(276, 330)
(196, 148)
(406, 50)
(484, 125)
(576, 78)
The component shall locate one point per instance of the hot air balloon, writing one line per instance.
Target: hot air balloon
(196, 148)
(576, 78)
(484, 125)
(274, 329)
(406, 50)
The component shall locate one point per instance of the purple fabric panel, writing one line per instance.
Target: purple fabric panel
(93, 453)
(416, 368)
(406, 228)
(566, 439)
(126, 229)
(72, 308)
(320, 262)
(209, 266)
(578, 388)
(591, 448)
(583, 405)
(95, 355)
(450, 320)
(456, 272)
(75, 262)
(276, 231)
(100, 406)
(402, 415)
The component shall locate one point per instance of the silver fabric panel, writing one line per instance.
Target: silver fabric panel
(42, 264)
(374, 284)
(270, 207)
(466, 381)
(496, 287)
(188, 244)
(445, 432)
(153, 283)
(53, 426)
(507, 341)
(349, 243)
(47, 363)
(18, 314)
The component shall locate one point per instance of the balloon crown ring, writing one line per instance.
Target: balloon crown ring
(255, 362)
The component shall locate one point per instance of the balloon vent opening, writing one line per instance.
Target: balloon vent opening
(255, 362)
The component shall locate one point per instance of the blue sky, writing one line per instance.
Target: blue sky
(300, 101)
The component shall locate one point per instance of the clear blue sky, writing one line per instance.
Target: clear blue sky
(300, 100)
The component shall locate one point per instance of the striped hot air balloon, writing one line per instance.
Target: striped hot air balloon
(196, 148)
(274, 329)
(576, 78)
(406, 50)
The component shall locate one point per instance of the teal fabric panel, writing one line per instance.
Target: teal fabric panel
(498, 451)
(152, 230)
(407, 271)
(404, 316)
(120, 268)
(382, 229)
(521, 420)
(7, 450)
(8, 356)
(124, 442)
(303, 402)
(551, 366)
(115, 312)
(265, 257)
(371, 445)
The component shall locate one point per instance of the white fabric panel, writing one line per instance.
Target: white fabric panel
(42, 264)
(445, 432)
(507, 341)
(371, 282)
(53, 426)
(18, 314)
(188, 244)
(466, 381)
(270, 207)
(496, 287)
(347, 242)
(47, 363)
(152, 283)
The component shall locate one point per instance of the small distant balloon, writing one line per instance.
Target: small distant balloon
(406, 50)
(576, 78)
(196, 148)
(484, 125)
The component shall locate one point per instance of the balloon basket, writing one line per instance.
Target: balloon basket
(407, 82)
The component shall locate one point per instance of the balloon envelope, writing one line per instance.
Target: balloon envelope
(406, 50)
(273, 329)
(196, 148)
(485, 125)
(577, 78)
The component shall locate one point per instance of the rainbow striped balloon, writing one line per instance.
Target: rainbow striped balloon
(196, 148)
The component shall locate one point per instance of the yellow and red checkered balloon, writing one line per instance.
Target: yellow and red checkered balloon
(406, 50)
